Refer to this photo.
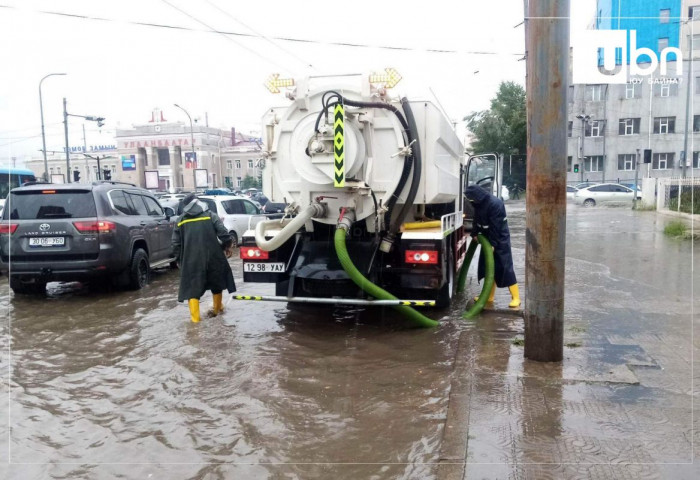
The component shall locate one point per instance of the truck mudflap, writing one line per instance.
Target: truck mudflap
(338, 301)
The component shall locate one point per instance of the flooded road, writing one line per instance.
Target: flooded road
(121, 385)
(124, 380)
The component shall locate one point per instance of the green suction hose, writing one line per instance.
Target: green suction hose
(487, 252)
(462, 279)
(374, 290)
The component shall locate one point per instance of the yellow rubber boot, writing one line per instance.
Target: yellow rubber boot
(492, 295)
(194, 309)
(218, 303)
(515, 293)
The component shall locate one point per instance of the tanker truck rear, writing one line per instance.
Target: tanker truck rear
(374, 192)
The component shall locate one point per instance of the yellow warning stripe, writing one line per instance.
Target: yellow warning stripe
(246, 297)
(338, 146)
(198, 219)
(418, 304)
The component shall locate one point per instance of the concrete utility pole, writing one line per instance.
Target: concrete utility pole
(43, 133)
(584, 121)
(547, 47)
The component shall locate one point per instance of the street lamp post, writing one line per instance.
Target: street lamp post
(584, 120)
(43, 134)
(194, 158)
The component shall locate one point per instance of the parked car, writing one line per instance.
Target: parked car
(570, 191)
(172, 196)
(237, 213)
(585, 184)
(631, 186)
(81, 231)
(273, 207)
(604, 193)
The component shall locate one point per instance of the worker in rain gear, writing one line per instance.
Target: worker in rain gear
(490, 220)
(199, 242)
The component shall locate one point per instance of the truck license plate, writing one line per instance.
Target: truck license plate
(47, 241)
(262, 267)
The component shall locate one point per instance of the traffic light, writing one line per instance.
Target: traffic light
(76, 176)
(575, 167)
(107, 174)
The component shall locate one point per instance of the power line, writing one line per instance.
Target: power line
(212, 29)
(261, 35)
(284, 39)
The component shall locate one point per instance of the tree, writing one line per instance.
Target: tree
(503, 127)
(250, 182)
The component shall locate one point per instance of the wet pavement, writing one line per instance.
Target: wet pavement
(121, 385)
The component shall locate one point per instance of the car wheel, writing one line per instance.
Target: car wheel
(234, 238)
(589, 202)
(35, 287)
(139, 270)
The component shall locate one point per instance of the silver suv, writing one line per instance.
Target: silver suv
(81, 231)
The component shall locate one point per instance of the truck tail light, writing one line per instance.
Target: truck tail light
(98, 226)
(426, 257)
(8, 228)
(253, 253)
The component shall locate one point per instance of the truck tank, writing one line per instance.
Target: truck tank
(299, 149)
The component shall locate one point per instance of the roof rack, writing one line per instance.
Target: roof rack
(35, 182)
(112, 182)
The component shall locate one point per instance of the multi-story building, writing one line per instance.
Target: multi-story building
(610, 125)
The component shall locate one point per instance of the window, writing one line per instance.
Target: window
(163, 157)
(594, 163)
(569, 128)
(594, 128)
(662, 161)
(696, 160)
(600, 188)
(51, 169)
(239, 180)
(665, 89)
(696, 40)
(154, 209)
(571, 94)
(594, 93)
(250, 163)
(568, 163)
(238, 165)
(664, 15)
(697, 85)
(627, 161)
(250, 209)
(629, 126)
(137, 203)
(696, 123)
(229, 164)
(119, 202)
(662, 44)
(694, 12)
(34, 205)
(633, 90)
(233, 207)
(58, 169)
(664, 124)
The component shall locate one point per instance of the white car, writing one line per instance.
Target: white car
(570, 192)
(237, 213)
(604, 193)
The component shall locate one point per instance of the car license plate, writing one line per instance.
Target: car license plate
(262, 267)
(47, 241)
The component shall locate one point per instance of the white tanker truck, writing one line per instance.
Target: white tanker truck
(374, 192)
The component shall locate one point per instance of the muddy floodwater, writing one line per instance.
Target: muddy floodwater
(119, 384)
(124, 380)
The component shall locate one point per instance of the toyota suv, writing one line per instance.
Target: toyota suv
(66, 232)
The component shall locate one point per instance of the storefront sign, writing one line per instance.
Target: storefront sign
(128, 162)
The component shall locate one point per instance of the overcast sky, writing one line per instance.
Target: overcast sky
(121, 70)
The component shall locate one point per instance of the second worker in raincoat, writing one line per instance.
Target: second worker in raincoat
(199, 240)
(490, 220)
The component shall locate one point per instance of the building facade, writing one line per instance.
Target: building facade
(610, 125)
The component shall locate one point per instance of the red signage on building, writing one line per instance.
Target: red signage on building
(160, 143)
